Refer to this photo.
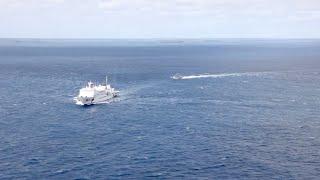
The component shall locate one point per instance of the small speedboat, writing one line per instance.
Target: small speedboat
(177, 76)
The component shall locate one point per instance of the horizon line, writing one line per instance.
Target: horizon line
(219, 38)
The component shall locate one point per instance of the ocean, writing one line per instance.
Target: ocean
(244, 109)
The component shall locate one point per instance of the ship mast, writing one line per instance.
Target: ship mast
(106, 80)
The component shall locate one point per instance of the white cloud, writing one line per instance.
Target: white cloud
(220, 10)
(209, 5)
(28, 3)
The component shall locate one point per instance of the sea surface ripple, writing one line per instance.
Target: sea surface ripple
(236, 127)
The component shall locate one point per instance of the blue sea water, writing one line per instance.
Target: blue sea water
(263, 124)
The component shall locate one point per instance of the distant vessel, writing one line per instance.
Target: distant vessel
(96, 94)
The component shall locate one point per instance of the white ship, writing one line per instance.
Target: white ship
(96, 94)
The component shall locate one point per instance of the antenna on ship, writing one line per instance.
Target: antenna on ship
(106, 80)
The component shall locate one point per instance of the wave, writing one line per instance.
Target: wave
(222, 75)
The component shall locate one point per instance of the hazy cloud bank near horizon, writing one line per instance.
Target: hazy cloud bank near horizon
(160, 18)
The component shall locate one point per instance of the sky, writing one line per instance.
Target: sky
(159, 19)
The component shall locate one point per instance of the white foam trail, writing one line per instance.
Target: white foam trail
(198, 76)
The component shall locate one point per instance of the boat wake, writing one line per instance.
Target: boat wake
(222, 75)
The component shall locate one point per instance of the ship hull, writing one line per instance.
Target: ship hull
(98, 99)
